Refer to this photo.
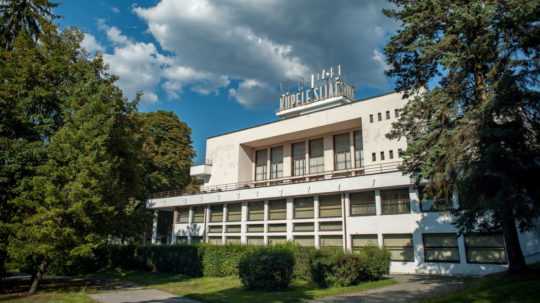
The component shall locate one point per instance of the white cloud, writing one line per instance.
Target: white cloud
(90, 43)
(115, 10)
(251, 89)
(378, 57)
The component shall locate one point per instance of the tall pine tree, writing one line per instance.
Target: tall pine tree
(471, 69)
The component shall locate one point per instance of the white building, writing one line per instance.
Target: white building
(325, 174)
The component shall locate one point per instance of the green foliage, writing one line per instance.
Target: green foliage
(471, 70)
(375, 262)
(303, 257)
(268, 268)
(322, 267)
(221, 261)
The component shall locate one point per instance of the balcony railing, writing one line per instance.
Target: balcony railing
(326, 175)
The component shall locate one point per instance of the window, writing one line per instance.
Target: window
(427, 203)
(370, 118)
(360, 241)
(233, 229)
(387, 114)
(234, 212)
(215, 240)
(330, 241)
(373, 157)
(400, 247)
(330, 226)
(299, 159)
(260, 164)
(485, 248)
(400, 152)
(303, 227)
(276, 162)
(277, 228)
(395, 201)
(196, 239)
(441, 248)
(232, 241)
(391, 154)
(198, 215)
(277, 210)
(303, 208)
(182, 215)
(342, 152)
(382, 156)
(358, 149)
(216, 213)
(379, 116)
(214, 229)
(330, 206)
(316, 156)
(255, 228)
(305, 240)
(255, 240)
(181, 240)
(256, 211)
(396, 113)
(277, 240)
(363, 203)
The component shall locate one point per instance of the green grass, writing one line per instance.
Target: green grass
(229, 289)
(522, 288)
(50, 297)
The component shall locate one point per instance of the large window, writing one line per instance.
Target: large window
(261, 158)
(198, 214)
(234, 212)
(330, 206)
(256, 211)
(485, 248)
(233, 229)
(316, 156)
(277, 228)
(342, 152)
(298, 159)
(304, 240)
(303, 208)
(360, 241)
(303, 227)
(427, 203)
(216, 213)
(331, 241)
(395, 201)
(358, 149)
(363, 203)
(215, 229)
(252, 240)
(255, 228)
(182, 215)
(441, 248)
(276, 162)
(400, 247)
(330, 226)
(277, 210)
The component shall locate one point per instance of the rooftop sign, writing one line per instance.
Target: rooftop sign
(326, 88)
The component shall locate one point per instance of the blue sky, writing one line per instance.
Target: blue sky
(218, 64)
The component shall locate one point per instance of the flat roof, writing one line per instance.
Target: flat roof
(266, 123)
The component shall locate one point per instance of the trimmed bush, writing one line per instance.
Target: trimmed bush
(322, 267)
(375, 262)
(347, 270)
(303, 257)
(221, 261)
(267, 268)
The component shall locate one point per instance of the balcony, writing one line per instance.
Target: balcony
(201, 170)
(327, 175)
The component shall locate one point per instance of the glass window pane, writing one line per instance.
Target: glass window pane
(261, 158)
(277, 228)
(359, 241)
(233, 229)
(363, 203)
(400, 247)
(277, 210)
(303, 208)
(330, 226)
(182, 215)
(305, 240)
(215, 228)
(255, 228)
(331, 241)
(485, 248)
(342, 152)
(316, 156)
(303, 227)
(234, 212)
(395, 201)
(299, 159)
(198, 215)
(441, 248)
(255, 240)
(330, 206)
(256, 211)
(358, 149)
(276, 162)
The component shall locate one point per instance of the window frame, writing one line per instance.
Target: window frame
(408, 203)
(305, 199)
(441, 247)
(363, 215)
(298, 165)
(347, 161)
(263, 175)
(315, 168)
(390, 248)
(340, 206)
(276, 167)
(484, 247)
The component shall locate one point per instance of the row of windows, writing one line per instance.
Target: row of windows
(277, 227)
(438, 247)
(382, 155)
(315, 148)
(393, 201)
(387, 115)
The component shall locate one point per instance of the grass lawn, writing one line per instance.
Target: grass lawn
(523, 288)
(49, 297)
(229, 289)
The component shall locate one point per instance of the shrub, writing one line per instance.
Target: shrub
(322, 267)
(221, 261)
(347, 270)
(267, 268)
(303, 258)
(375, 262)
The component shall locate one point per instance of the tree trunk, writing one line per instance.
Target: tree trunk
(516, 261)
(37, 277)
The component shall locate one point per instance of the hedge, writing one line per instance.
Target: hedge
(221, 261)
(267, 268)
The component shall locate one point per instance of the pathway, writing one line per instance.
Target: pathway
(139, 295)
(409, 289)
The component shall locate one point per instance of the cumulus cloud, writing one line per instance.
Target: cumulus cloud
(90, 43)
(261, 43)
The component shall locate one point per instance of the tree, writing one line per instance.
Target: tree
(167, 150)
(24, 16)
(472, 123)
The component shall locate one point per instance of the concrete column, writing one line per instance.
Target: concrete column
(223, 223)
(155, 227)
(316, 220)
(346, 211)
(206, 220)
(353, 156)
(243, 220)
(190, 224)
(268, 155)
(378, 203)
(462, 250)
(287, 160)
(290, 215)
(306, 149)
(175, 218)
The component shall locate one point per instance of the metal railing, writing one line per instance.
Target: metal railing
(326, 175)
